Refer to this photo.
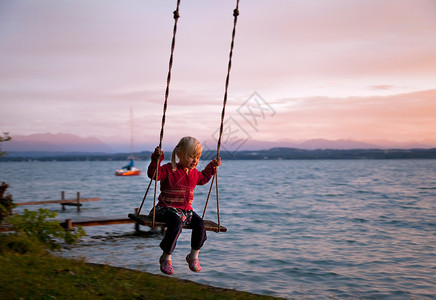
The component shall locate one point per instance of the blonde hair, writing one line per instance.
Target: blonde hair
(187, 146)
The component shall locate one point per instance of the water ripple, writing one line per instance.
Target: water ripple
(346, 229)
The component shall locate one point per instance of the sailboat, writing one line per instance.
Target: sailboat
(129, 169)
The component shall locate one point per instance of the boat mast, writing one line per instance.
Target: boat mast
(131, 134)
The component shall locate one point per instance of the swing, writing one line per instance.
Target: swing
(148, 220)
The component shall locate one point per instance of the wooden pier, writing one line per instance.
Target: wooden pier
(64, 202)
(95, 221)
(135, 218)
(69, 224)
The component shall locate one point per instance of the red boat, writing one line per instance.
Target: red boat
(132, 172)
(128, 170)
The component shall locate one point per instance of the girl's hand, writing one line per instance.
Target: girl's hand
(216, 162)
(157, 151)
(156, 154)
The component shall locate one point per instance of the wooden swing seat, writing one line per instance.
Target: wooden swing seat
(147, 220)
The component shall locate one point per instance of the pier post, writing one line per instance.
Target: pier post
(78, 201)
(63, 198)
(136, 224)
(69, 224)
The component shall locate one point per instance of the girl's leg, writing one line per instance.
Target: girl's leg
(198, 236)
(172, 233)
(169, 241)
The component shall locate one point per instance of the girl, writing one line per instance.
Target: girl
(178, 180)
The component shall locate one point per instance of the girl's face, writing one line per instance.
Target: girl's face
(189, 161)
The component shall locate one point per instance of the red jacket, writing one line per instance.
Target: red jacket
(177, 187)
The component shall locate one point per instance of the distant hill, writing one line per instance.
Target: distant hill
(338, 144)
(49, 142)
(341, 144)
(271, 154)
(61, 144)
(294, 153)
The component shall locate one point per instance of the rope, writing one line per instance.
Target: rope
(208, 196)
(176, 17)
(223, 112)
(235, 20)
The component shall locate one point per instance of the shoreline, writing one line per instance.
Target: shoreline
(270, 154)
(47, 275)
(185, 281)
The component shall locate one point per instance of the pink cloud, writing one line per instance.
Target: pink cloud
(399, 117)
(324, 66)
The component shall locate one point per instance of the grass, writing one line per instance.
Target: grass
(35, 274)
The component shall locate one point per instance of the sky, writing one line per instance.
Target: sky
(338, 69)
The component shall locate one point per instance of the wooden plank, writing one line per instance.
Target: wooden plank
(86, 221)
(71, 204)
(148, 221)
(96, 221)
(58, 201)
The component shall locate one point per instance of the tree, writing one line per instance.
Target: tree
(6, 203)
(4, 138)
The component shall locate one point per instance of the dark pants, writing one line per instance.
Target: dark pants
(198, 236)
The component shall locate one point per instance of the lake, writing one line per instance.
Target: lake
(304, 229)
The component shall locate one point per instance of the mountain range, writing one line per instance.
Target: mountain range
(63, 142)
(341, 144)
(60, 142)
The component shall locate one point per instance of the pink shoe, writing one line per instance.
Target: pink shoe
(166, 267)
(194, 264)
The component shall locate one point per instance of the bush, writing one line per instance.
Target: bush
(6, 203)
(11, 243)
(39, 226)
(4, 138)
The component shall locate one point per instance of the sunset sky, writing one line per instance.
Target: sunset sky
(337, 69)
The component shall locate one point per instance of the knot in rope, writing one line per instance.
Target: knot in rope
(176, 14)
(236, 12)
